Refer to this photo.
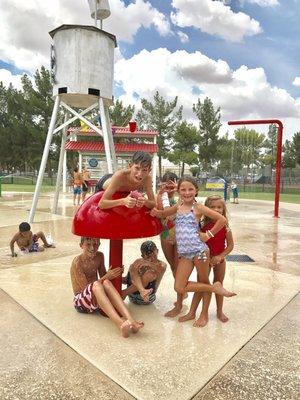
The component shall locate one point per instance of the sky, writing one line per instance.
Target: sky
(242, 54)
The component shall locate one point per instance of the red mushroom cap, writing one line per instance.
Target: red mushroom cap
(115, 223)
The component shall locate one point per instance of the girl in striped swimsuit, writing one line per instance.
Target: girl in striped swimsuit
(193, 251)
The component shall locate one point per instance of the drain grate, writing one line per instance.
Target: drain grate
(239, 258)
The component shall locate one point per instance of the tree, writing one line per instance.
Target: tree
(225, 152)
(209, 125)
(162, 116)
(119, 114)
(291, 151)
(247, 149)
(183, 149)
(270, 145)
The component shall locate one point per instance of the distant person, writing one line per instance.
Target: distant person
(27, 241)
(235, 192)
(77, 184)
(86, 176)
(93, 290)
(144, 275)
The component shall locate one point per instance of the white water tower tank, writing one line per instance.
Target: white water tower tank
(82, 64)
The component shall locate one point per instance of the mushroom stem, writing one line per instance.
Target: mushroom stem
(116, 260)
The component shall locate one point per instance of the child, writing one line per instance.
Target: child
(191, 250)
(235, 192)
(166, 198)
(92, 294)
(134, 178)
(77, 183)
(86, 176)
(27, 241)
(220, 245)
(144, 275)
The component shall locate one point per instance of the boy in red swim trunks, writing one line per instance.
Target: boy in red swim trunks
(92, 294)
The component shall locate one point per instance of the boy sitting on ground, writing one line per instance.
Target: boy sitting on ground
(94, 291)
(144, 275)
(27, 241)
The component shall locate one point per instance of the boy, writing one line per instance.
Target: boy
(27, 241)
(92, 294)
(77, 184)
(133, 179)
(144, 275)
(86, 176)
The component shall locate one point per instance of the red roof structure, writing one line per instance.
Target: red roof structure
(118, 131)
(98, 147)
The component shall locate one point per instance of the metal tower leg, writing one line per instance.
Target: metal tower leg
(44, 160)
(105, 132)
(111, 139)
(60, 167)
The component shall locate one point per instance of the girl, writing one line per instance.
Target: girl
(165, 199)
(191, 250)
(220, 245)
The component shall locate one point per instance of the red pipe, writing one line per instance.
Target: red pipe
(279, 153)
(116, 260)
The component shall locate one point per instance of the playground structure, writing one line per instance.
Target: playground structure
(278, 155)
(82, 60)
(92, 153)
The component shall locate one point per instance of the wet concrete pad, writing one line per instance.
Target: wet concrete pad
(167, 360)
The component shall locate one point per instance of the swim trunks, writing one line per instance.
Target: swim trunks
(84, 302)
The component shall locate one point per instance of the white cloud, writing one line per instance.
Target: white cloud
(296, 81)
(183, 37)
(214, 18)
(7, 78)
(262, 3)
(24, 25)
(242, 94)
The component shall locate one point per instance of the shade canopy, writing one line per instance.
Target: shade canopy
(115, 223)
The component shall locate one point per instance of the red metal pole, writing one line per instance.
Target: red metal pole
(116, 260)
(278, 157)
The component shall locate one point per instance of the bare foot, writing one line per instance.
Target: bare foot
(219, 289)
(48, 246)
(184, 297)
(186, 317)
(125, 329)
(222, 317)
(135, 326)
(174, 312)
(201, 321)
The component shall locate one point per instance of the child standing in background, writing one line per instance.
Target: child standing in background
(220, 245)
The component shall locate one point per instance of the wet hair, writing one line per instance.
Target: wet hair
(188, 178)
(24, 227)
(142, 158)
(84, 238)
(208, 203)
(169, 176)
(76, 169)
(148, 247)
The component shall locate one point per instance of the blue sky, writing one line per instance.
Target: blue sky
(243, 54)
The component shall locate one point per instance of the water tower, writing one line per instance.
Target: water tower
(82, 64)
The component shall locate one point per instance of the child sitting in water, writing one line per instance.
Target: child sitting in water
(27, 241)
(93, 293)
(144, 275)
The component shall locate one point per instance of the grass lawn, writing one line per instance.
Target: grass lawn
(284, 197)
(13, 187)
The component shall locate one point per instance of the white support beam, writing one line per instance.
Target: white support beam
(86, 121)
(106, 137)
(39, 181)
(66, 123)
(110, 139)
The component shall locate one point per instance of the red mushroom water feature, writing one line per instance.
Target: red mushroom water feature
(116, 224)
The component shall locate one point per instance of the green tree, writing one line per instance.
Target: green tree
(209, 125)
(225, 152)
(247, 149)
(163, 117)
(119, 114)
(184, 142)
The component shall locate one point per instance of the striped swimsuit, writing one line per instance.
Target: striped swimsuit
(188, 241)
